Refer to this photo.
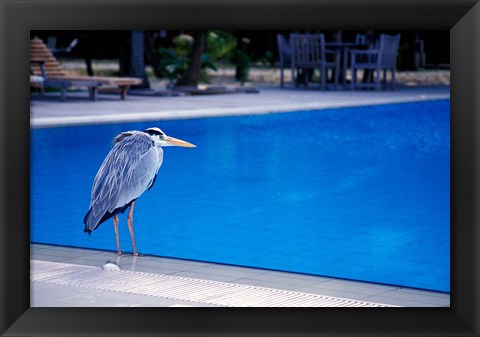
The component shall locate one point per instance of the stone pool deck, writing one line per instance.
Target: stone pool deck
(49, 111)
(57, 271)
(74, 277)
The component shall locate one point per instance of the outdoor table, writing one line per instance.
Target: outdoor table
(345, 47)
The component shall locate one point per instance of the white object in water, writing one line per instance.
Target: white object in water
(110, 266)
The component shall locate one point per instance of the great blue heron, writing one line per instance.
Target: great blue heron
(129, 169)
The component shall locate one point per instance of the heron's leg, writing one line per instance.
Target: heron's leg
(130, 227)
(117, 238)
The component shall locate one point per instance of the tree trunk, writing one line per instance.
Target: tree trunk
(152, 56)
(88, 64)
(137, 65)
(191, 76)
(124, 58)
(241, 58)
(86, 42)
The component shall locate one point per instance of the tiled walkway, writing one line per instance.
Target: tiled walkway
(194, 290)
(71, 292)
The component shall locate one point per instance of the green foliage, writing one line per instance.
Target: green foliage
(242, 61)
(268, 59)
(174, 60)
(172, 64)
(220, 45)
(241, 58)
(404, 52)
(207, 62)
(183, 43)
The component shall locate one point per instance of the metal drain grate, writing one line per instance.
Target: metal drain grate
(181, 288)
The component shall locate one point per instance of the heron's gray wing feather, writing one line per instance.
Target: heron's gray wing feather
(137, 178)
(124, 175)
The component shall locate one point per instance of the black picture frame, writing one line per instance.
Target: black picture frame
(17, 18)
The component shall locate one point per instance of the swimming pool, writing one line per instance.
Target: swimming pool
(358, 193)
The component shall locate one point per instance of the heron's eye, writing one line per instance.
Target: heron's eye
(155, 131)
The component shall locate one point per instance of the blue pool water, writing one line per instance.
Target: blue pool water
(358, 193)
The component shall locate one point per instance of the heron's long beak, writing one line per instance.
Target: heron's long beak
(178, 142)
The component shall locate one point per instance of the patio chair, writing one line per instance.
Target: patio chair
(360, 38)
(383, 57)
(285, 55)
(309, 52)
(44, 64)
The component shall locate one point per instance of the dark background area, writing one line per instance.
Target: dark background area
(262, 45)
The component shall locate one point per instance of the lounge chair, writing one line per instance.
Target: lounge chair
(382, 57)
(44, 64)
(52, 46)
(309, 52)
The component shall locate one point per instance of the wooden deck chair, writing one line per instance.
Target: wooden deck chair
(309, 52)
(380, 59)
(44, 64)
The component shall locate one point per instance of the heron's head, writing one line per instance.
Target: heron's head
(161, 139)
